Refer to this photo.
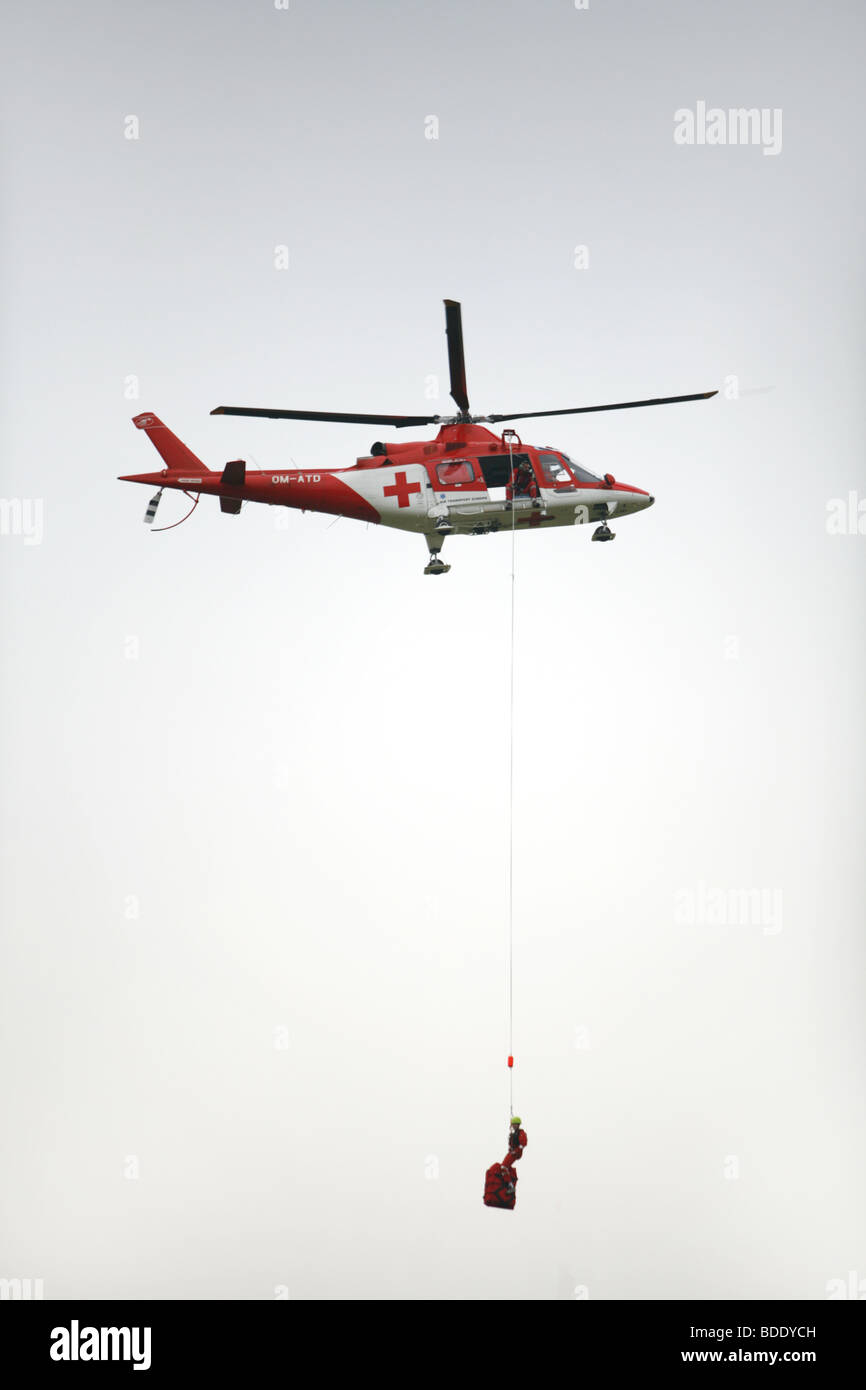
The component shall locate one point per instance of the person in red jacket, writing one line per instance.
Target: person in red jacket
(500, 1180)
(522, 483)
(516, 1139)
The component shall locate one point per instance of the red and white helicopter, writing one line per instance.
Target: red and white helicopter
(468, 481)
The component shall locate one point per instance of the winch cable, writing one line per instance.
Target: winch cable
(509, 1009)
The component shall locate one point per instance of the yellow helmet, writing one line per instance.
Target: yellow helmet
(515, 1119)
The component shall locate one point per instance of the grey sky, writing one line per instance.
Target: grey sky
(284, 748)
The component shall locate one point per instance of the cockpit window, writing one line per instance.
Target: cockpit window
(553, 471)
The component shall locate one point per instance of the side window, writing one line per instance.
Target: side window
(455, 471)
(553, 471)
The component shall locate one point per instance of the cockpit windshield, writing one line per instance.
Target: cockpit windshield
(582, 474)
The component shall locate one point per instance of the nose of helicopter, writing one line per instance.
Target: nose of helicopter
(638, 500)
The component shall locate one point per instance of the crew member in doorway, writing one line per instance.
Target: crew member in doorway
(523, 482)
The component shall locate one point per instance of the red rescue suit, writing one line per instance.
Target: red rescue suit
(517, 1143)
(522, 484)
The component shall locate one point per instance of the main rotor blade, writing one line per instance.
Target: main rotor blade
(456, 364)
(326, 415)
(588, 409)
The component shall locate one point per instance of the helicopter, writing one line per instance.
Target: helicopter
(467, 481)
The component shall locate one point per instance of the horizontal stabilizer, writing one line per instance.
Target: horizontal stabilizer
(234, 474)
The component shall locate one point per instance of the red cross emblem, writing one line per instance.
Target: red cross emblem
(402, 489)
